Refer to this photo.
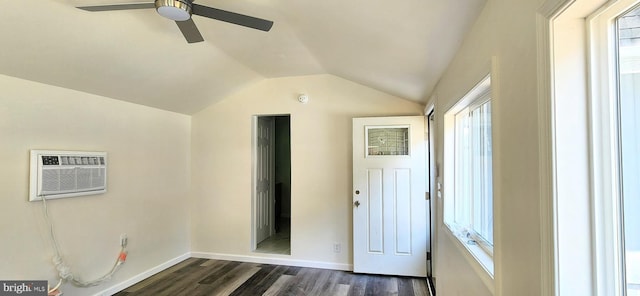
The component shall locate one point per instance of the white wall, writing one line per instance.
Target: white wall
(148, 184)
(321, 164)
(506, 30)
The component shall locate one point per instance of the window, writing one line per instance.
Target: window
(628, 100)
(472, 181)
(616, 96)
(588, 110)
(468, 173)
(387, 141)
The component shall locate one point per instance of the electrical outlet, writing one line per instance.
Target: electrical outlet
(124, 240)
(337, 247)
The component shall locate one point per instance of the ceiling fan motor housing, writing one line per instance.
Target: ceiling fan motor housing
(177, 10)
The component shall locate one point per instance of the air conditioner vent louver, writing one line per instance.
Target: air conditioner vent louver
(57, 174)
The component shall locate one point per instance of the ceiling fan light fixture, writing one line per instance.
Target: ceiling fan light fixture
(177, 10)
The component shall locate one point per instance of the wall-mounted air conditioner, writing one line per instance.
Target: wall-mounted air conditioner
(57, 174)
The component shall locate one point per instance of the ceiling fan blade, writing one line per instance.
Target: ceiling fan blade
(118, 7)
(190, 31)
(232, 17)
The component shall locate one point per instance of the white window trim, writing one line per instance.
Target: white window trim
(480, 260)
(607, 227)
(550, 74)
(480, 257)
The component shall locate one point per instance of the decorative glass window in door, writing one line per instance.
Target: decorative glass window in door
(387, 140)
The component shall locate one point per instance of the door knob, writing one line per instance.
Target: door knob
(357, 203)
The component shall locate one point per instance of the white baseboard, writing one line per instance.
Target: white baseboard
(142, 276)
(230, 257)
(274, 260)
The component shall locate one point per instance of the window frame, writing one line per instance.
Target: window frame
(470, 214)
(570, 151)
(475, 245)
(373, 127)
(608, 223)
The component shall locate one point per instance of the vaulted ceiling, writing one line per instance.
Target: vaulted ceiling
(399, 47)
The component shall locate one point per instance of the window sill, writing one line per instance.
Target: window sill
(479, 260)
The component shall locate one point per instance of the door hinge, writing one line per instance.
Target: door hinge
(427, 196)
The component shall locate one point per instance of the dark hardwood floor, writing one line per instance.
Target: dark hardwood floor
(214, 277)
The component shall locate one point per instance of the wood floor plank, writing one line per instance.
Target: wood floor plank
(214, 276)
(381, 285)
(239, 281)
(332, 282)
(278, 285)
(420, 287)
(341, 290)
(358, 285)
(269, 280)
(209, 262)
(405, 286)
(161, 275)
(375, 286)
(292, 270)
(305, 280)
(291, 289)
(345, 278)
(295, 287)
(194, 264)
(180, 279)
(200, 277)
(319, 283)
(259, 282)
(229, 283)
(391, 286)
(228, 270)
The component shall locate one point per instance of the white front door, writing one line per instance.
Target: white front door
(389, 210)
(264, 174)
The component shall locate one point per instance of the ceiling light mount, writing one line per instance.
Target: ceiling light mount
(303, 98)
(177, 10)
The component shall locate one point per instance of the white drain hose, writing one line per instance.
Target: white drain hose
(64, 271)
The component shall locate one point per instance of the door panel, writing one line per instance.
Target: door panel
(389, 213)
(264, 179)
(402, 211)
(374, 202)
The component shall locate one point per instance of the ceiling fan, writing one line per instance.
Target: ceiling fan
(180, 11)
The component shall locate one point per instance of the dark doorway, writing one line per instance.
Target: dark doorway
(279, 242)
(283, 173)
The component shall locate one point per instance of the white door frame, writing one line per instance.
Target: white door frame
(432, 174)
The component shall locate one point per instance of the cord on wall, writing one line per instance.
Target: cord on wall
(64, 271)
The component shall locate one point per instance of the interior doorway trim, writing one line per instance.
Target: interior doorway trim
(271, 183)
